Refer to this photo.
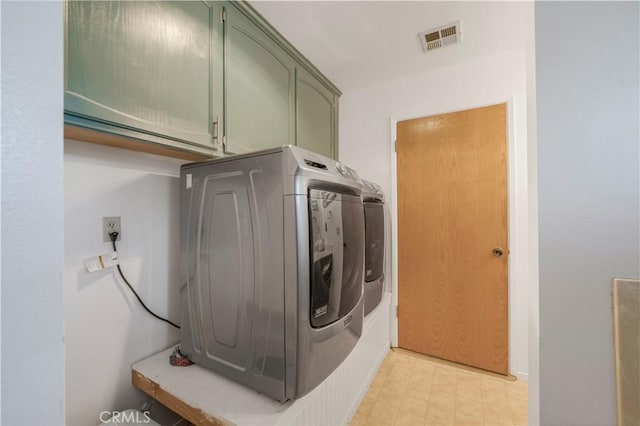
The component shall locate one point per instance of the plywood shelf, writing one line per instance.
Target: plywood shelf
(205, 398)
(202, 396)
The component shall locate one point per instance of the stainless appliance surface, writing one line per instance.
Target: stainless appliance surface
(272, 267)
(374, 214)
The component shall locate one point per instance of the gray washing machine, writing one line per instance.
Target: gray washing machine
(374, 215)
(272, 250)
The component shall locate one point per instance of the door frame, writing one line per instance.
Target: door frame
(517, 207)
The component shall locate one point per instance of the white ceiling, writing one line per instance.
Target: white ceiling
(363, 42)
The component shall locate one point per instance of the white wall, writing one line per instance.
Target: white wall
(106, 329)
(532, 186)
(32, 214)
(366, 146)
(588, 89)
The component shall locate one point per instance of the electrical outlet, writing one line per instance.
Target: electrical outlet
(111, 224)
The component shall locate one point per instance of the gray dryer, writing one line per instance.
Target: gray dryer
(272, 249)
(374, 214)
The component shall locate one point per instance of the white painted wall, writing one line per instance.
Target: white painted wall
(365, 144)
(532, 186)
(106, 329)
(32, 214)
(589, 188)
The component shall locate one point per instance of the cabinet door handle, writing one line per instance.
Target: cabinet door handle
(216, 131)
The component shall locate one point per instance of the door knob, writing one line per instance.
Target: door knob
(498, 251)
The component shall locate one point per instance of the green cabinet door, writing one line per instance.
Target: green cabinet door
(150, 67)
(317, 119)
(259, 87)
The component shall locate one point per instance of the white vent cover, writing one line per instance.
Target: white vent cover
(440, 37)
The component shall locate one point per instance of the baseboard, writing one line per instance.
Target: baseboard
(521, 376)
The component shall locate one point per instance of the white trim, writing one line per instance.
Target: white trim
(394, 234)
(521, 376)
(514, 248)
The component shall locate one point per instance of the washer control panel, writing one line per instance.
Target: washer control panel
(341, 169)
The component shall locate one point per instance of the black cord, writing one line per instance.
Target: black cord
(114, 237)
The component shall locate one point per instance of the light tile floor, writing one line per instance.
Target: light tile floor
(413, 389)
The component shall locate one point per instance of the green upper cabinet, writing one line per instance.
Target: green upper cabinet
(317, 115)
(149, 67)
(259, 87)
(191, 79)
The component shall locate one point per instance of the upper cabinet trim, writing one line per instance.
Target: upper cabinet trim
(267, 48)
(309, 83)
(259, 20)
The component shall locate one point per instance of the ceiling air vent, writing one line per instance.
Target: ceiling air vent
(440, 37)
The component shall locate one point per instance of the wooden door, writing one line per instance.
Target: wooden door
(259, 87)
(452, 214)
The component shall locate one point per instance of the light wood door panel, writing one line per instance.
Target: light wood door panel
(452, 212)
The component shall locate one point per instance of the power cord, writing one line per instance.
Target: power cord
(114, 237)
